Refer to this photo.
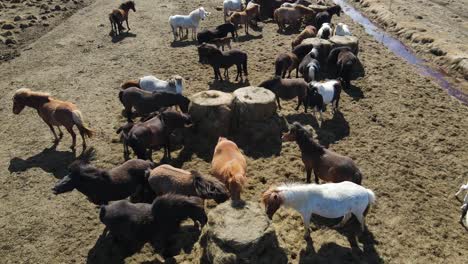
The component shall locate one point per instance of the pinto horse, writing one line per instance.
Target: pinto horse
(331, 200)
(229, 165)
(326, 164)
(117, 16)
(54, 113)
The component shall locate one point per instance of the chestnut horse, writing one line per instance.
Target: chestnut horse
(291, 15)
(54, 113)
(117, 16)
(229, 167)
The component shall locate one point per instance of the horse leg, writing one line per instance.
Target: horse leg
(464, 211)
(60, 132)
(360, 218)
(82, 134)
(306, 220)
(299, 102)
(73, 135)
(278, 101)
(56, 139)
(316, 176)
(309, 175)
(128, 27)
(345, 219)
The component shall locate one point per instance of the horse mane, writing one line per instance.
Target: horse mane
(126, 4)
(207, 187)
(25, 92)
(306, 139)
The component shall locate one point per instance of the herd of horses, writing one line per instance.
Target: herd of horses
(161, 197)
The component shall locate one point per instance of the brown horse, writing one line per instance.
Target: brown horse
(244, 17)
(286, 63)
(229, 165)
(308, 32)
(326, 164)
(291, 15)
(54, 113)
(117, 16)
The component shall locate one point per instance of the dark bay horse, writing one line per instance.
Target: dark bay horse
(211, 55)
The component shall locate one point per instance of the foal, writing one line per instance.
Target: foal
(117, 16)
(54, 113)
(326, 164)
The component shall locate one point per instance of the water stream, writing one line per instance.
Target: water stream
(400, 49)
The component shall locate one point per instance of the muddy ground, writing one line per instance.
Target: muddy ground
(406, 134)
(437, 30)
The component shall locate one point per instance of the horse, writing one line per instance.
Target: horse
(308, 32)
(152, 84)
(54, 113)
(310, 66)
(146, 102)
(152, 134)
(291, 15)
(320, 94)
(117, 16)
(326, 164)
(211, 55)
(229, 166)
(287, 89)
(343, 60)
(244, 17)
(330, 200)
(231, 5)
(185, 22)
(221, 31)
(285, 63)
(137, 223)
(102, 186)
(326, 15)
(342, 30)
(167, 179)
(325, 31)
(464, 207)
(221, 42)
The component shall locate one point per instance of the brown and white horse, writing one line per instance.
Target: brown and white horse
(117, 16)
(54, 113)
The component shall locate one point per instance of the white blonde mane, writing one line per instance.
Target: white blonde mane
(28, 92)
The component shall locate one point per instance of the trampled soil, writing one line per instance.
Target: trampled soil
(406, 134)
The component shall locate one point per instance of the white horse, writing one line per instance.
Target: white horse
(152, 84)
(464, 207)
(231, 5)
(329, 200)
(188, 22)
(342, 30)
(325, 31)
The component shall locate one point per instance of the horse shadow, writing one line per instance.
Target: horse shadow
(334, 253)
(355, 92)
(121, 36)
(108, 250)
(248, 37)
(332, 130)
(182, 44)
(227, 86)
(49, 160)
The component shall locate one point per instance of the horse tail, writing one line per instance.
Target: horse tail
(209, 187)
(78, 120)
(244, 65)
(357, 177)
(371, 196)
(278, 68)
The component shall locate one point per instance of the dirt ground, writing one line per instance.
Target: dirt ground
(406, 134)
(436, 29)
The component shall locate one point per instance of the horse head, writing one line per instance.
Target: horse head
(272, 200)
(173, 119)
(203, 13)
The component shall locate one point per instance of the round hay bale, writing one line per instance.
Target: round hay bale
(211, 112)
(349, 41)
(254, 104)
(240, 235)
(324, 47)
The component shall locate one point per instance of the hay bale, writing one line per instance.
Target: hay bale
(349, 41)
(211, 111)
(240, 235)
(254, 104)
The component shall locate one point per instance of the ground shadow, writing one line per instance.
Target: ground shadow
(303, 118)
(227, 86)
(49, 160)
(332, 130)
(122, 36)
(333, 253)
(181, 43)
(248, 37)
(289, 30)
(355, 92)
(107, 250)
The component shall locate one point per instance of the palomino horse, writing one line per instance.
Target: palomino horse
(117, 16)
(54, 113)
(229, 166)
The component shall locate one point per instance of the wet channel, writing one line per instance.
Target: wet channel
(401, 50)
